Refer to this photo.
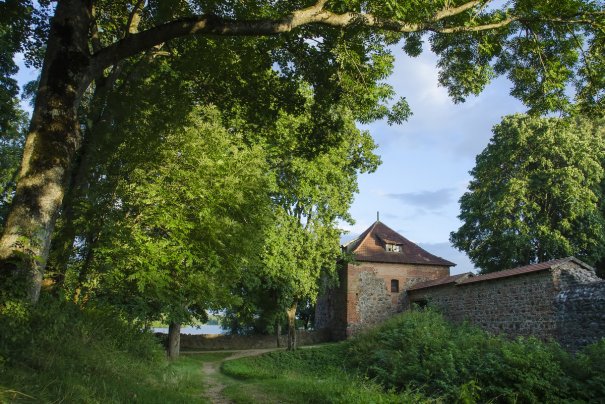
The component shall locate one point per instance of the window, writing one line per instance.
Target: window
(393, 247)
(394, 286)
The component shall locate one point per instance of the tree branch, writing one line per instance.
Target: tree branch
(94, 32)
(477, 28)
(315, 14)
(132, 26)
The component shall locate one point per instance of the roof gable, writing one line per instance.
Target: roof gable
(370, 246)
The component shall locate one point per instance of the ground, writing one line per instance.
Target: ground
(214, 381)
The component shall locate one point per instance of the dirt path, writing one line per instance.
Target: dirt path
(213, 386)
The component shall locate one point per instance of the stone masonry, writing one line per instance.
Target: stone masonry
(561, 299)
(373, 288)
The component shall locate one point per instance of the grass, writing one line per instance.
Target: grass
(58, 353)
(419, 357)
(119, 379)
(314, 375)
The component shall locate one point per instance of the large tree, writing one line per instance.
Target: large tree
(536, 194)
(183, 225)
(312, 193)
(542, 46)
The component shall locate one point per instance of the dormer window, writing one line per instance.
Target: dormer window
(393, 247)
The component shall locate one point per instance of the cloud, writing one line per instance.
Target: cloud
(430, 200)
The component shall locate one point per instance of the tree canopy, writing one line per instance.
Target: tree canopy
(338, 48)
(536, 194)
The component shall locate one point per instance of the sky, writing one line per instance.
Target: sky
(426, 160)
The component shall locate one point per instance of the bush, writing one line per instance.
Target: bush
(420, 350)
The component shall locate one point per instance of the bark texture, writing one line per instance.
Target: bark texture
(174, 340)
(50, 148)
(292, 340)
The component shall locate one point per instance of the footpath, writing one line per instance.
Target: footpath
(213, 386)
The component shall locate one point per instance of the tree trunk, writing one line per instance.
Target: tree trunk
(277, 332)
(50, 148)
(291, 313)
(174, 340)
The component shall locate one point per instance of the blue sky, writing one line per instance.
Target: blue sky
(426, 160)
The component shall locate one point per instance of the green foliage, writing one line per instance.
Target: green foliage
(535, 194)
(58, 352)
(12, 140)
(315, 375)
(183, 223)
(420, 350)
(587, 370)
(313, 190)
(420, 357)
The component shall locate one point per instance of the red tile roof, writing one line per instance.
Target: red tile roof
(441, 281)
(370, 246)
(524, 270)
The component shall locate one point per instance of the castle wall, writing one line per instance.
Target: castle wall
(364, 298)
(580, 315)
(518, 305)
(331, 308)
(566, 304)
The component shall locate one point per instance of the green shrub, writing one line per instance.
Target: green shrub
(587, 371)
(420, 350)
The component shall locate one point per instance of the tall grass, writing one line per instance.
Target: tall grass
(420, 357)
(315, 375)
(57, 352)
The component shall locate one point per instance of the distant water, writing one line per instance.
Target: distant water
(196, 329)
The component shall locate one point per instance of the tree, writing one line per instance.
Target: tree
(536, 194)
(311, 195)
(182, 226)
(543, 47)
(11, 146)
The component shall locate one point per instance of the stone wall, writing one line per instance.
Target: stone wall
(566, 304)
(217, 342)
(364, 299)
(330, 308)
(580, 315)
(519, 305)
